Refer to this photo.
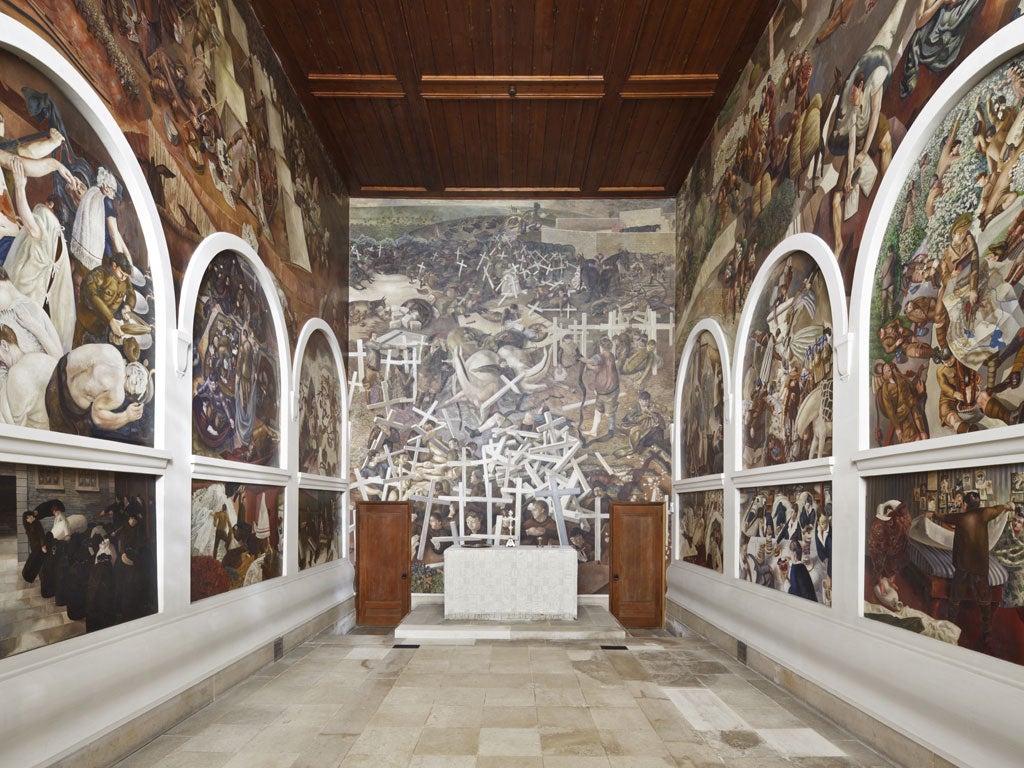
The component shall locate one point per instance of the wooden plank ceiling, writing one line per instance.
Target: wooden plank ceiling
(469, 98)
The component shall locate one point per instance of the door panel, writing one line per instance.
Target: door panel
(637, 589)
(383, 536)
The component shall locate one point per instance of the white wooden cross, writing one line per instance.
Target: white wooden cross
(428, 501)
(363, 482)
(517, 491)
(509, 386)
(555, 494)
(598, 516)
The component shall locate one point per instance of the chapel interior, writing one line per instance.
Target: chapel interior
(554, 383)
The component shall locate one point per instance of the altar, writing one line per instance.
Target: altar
(510, 583)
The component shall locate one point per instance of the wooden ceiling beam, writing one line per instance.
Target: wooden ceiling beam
(694, 86)
(512, 87)
(325, 85)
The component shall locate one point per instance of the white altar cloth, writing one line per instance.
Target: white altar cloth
(510, 583)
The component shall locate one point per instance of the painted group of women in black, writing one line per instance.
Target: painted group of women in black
(102, 572)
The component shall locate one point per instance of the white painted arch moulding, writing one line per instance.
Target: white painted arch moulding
(1003, 45)
(312, 326)
(21, 41)
(712, 327)
(206, 251)
(818, 250)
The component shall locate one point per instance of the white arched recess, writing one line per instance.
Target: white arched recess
(704, 482)
(89, 683)
(963, 705)
(312, 481)
(778, 628)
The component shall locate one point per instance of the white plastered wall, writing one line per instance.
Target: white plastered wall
(964, 706)
(56, 699)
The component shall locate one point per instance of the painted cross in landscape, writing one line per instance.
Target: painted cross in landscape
(237, 536)
(84, 556)
(786, 539)
(235, 398)
(945, 556)
(495, 346)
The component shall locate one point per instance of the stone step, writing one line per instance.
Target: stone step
(427, 623)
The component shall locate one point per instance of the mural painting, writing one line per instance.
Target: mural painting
(319, 527)
(701, 528)
(237, 536)
(84, 557)
(787, 381)
(509, 369)
(235, 375)
(786, 539)
(809, 131)
(702, 403)
(320, 397)
(76, 295)
(218, 131)
(945, 556)
(947, 328)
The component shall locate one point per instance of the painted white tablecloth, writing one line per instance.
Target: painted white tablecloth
(510, 584)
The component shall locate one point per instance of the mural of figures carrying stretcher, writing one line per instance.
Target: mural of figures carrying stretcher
(945, 556)
(84, 558)
(235, 399)
(786, 539)
(76, 296)
(787, 377)
(702, 403)
(237, 535)
(509, 370)
(947, 323)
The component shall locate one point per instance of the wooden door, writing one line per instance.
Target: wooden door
(384, 557)
(636, 594)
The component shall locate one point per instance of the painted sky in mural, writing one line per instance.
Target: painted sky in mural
(85, 558)
(235, 399)
(701, 528)
(499, 348)
(237, 536)
(804, 139)
(945, 556)
(702, 403)
(787, 381)
(947, 329)
(786, 539)
(218, 132)
(319, 409)
(76, 295)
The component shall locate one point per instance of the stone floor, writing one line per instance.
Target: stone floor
(651, 700)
